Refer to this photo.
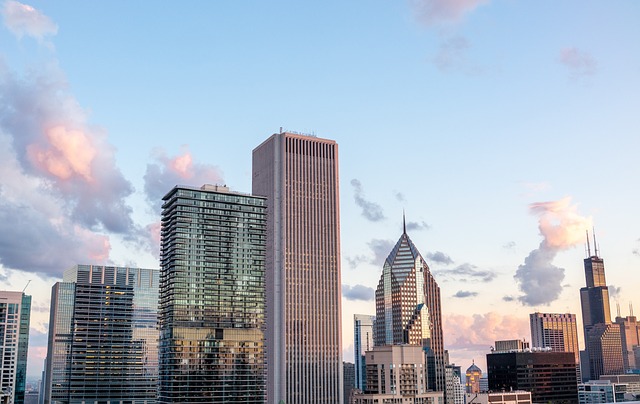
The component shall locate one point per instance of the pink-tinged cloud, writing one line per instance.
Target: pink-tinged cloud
(167, 172)
(64, 154)
(470, 337)
(579, 63)
(433, 12)
(561, 227)
(22, 19)
(53, 142)
(560, 224)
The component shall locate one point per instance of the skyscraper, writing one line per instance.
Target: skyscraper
(556, 331)
(603, 344)
(362, 342)
(212, 297)
(630, 335)
(408, 309)
(299, 176)
(103, 336)
(15, 314)
(472, 376)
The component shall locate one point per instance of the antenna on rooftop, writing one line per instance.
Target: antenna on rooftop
(631, 309)
(595, 244)
(618, 308)
(404, 223)
(588, 245)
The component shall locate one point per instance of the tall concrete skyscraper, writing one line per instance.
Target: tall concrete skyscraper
(362, 342)
(15, 314)
(556, 331)
(408, 309)
(212, 303)
(299, 176)
(103, 336)
(603, 344)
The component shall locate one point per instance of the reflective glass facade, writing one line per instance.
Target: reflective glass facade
(408, 309)
(299, 176)
(558, 331)
(362, 342)
(103, 336)
(15, 313)
(212, 297)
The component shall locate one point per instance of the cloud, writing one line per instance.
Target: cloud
(417, 226)
(467, 272)
(509, 246)
(358, 292)
(381, 250)
(439, 257)
(480, 331)
(22, 19)
(561, 227)
(509, 298)
(400, 197)
(357, 260)
(579, 63)
(167, 172)
(451, 53)
(465, 293)
(370, 210)
(434, 12)
(615, 291)
(636, 251)
(53, 143)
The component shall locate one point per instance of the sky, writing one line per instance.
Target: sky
(503, 129)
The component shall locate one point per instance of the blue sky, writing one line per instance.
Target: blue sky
(502, 128)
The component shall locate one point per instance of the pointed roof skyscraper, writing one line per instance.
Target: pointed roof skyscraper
(408, 309)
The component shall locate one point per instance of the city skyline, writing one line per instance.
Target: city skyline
(501, 148)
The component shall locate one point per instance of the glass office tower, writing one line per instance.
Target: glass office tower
(212, 297)
(103, 336)
(15, 312)
(408, 308)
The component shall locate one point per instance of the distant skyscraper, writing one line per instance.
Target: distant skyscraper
(396, 374)
(630, 339)
(408, 309)
(103, 333)
(511, 345)
(349, 374)
(15, 314)
(454, 391)
(556, 331)
(212, 297)
(473, 375)
(362, 342)
(299, 176)
(603, 344)
(549, 376)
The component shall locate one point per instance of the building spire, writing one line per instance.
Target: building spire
(404, 223)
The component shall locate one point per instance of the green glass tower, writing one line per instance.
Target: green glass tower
(15, 312)
(212, 297)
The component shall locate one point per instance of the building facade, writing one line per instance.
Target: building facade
(299, 176)
(103, 336)
(549, 376)
(15, 314)
(349, 375)
(408, 308)
(212, 303)
(472, 379)
(511, 397)
(630, 340)
(362, 342)
(511, 345)
(556, 331)
(454, 390)
(397, 374)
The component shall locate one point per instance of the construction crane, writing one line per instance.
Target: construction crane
(25, 286)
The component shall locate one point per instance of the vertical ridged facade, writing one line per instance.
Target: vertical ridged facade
(558, 331)
(299, 176)
(408, 308)
(15, 313)
(103, 336)
(212, 297)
